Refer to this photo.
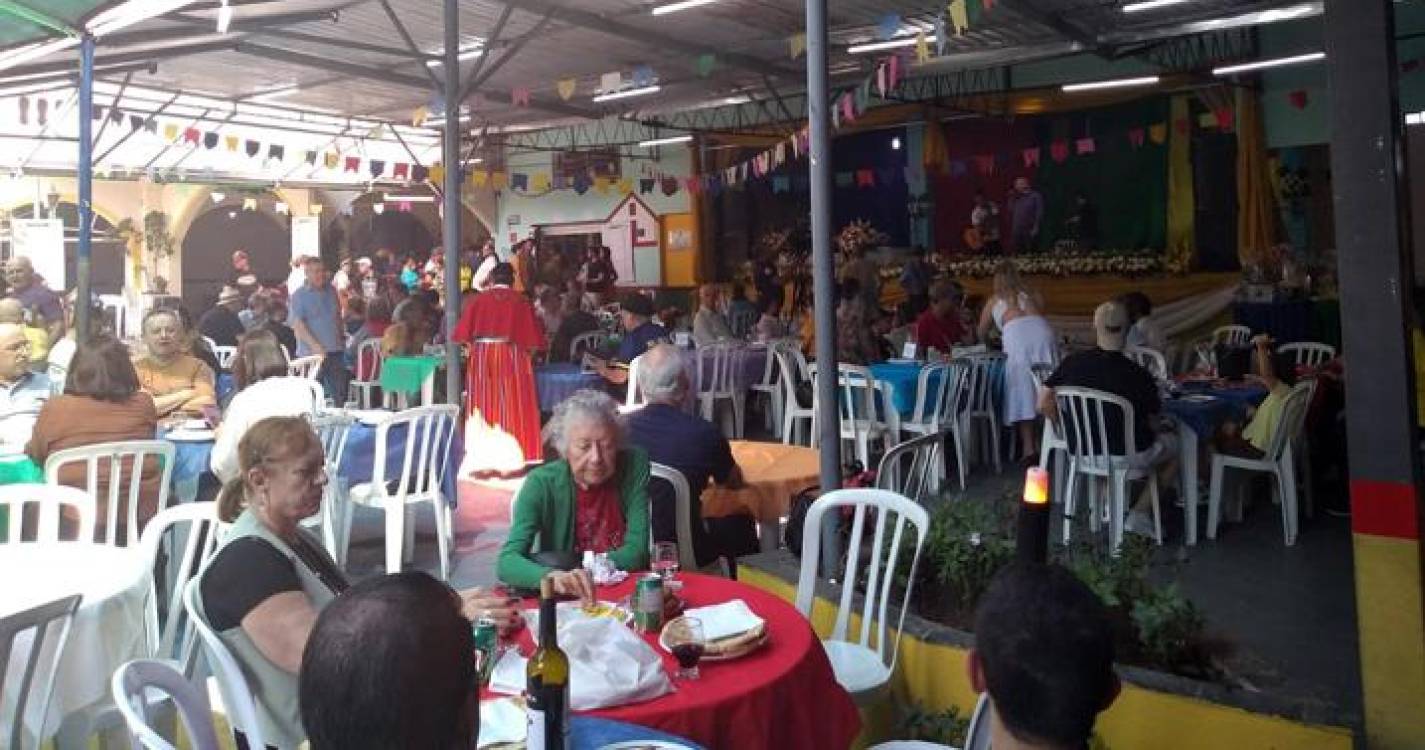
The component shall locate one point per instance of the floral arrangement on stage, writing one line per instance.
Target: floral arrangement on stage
(1059, 264)
(859, 236)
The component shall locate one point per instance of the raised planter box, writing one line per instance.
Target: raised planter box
(1155, 710)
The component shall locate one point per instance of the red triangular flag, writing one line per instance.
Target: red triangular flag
(1135, 137)
(1224, 117)
(1059, 150)
(985, 163)
(865, 178)
(400, 171)
(353, 163)
(1297, 98)
(1031, 157)
(192, 135)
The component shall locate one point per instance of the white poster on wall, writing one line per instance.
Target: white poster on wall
(42, 241)
(306, 236)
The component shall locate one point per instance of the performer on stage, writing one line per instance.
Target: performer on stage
(1026, 210)
(503, 331)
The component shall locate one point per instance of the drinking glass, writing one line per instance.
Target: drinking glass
(687, 642)
(665, 560)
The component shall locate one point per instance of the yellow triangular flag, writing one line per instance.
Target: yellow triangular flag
(1207, 120)
(479, 178)
(315, 209)
(566, 88)
(625, 186)
(437, 174)
(170, 132)
(539, 182)
(499, 180)
(1158, 132)
(419, 116)
(922, 47)
(797, 43)
(231, 142)
(959, 17)
(601, 185)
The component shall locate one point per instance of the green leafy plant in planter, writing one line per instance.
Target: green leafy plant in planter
(915, 722)
(967, 545)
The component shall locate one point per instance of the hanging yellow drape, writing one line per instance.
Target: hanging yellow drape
(1182, 242)
(935, 153)
(1256, 222)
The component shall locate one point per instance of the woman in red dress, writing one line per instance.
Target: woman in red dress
(503, 331)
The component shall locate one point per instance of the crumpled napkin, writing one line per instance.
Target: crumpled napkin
(502, 721)
(609, 665)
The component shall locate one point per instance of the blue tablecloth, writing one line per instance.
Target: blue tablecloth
(904, 378)
(591, 733)
(558, 381)
(1204, 417)
(224, 385)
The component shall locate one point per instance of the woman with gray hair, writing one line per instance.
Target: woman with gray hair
(594, 498)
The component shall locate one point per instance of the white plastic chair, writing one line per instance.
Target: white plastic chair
(1308, 353)
(683, 514)
(1233, 335)
(124, 464)
(134, 686)
(633, 396)
(586, 343)
(1053, 448)
(232, 685)
(1151, 360)
(429, 430)
(715, 384)
(741, 322)
(913, 468)
(771, 385)
(49, 499)
(48, 623)
(57, 375)
(332, 428)
(1082, 417)
(865, 409)
(368, 367)
(115, 305)
(1279, 461)
(794, 369)
(225, 356)
(305, 367)
(981, 408)
(936, 407)
(864, 666)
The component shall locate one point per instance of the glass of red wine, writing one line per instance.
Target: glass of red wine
(687, 642)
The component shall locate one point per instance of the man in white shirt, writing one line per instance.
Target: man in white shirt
(488, 260)
(22, 392)
(298, 277)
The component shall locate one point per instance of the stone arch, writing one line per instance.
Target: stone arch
(107, 251)
(211, 234)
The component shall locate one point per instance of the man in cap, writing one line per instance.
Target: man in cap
(221, 323)
(1104, 368)
(640, 335)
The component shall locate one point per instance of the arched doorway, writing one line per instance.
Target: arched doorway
(106, 251)
(209, 245)
(402, 232)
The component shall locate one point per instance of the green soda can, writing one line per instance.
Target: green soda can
(648, 603)
(487, 642)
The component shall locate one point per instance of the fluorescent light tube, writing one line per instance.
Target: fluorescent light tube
(225, 17)
(1150, 5)
(907, 41)
(1272, 63)
(130, 13)
(469, 54)
(410, 199)
(665, 141)
(1114, 84)
(624, 94)
(683, 5)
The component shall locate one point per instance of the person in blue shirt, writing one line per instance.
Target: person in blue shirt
(316, 322)
(693, 446)
(640, 335)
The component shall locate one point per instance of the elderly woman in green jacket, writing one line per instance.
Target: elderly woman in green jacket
(595, 498)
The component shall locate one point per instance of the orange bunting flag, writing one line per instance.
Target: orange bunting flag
(566, 88)
(1158, 132)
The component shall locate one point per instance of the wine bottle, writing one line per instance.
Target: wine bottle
(547, 682)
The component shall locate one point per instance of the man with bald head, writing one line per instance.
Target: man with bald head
(22, 392)
(11, 311)
(33, 295)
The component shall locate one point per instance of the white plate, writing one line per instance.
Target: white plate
(191, 436)
(645, 745)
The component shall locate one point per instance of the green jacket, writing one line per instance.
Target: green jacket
(545, 508)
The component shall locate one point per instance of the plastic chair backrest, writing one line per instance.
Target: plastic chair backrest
(793, 373)
(57, 375)
(305, 367)
(332, 428)
(1151, 360)
(1233, 335)
(911, 469)
(892, 512)
(225, 356)
(195, 526)
(588, 341)
(984, 371)
(425, 458)
(771, 373)
(1293, 418)
(1308, 353)
(49, 499)
(634, 396)
(368, 360)
(714, 371)
(115, 305)
(42, 620)
(124, 464)
(682, 509)
(132, 687)
(1083, 421)
(936, 402)
(232, 685)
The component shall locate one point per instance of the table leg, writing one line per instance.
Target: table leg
(1187, 461)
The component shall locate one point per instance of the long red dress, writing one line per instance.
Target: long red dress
(502, 329)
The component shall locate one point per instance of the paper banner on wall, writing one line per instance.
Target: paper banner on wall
(1084, 146)
(307, 233)
(797, 45)
(566, 88)
(1158, 132)
(959, 17)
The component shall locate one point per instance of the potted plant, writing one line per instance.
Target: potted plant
(160, 249)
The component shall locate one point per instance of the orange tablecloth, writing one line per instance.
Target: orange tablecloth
(773, 473)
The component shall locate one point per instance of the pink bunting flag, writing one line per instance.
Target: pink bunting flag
(1059, 150)
(352, 163)
(519, 96)
(865, 178)
(893, 71)
(1135, 137)
(848, 108)
(1084, 146)
(1031, 157)
(881, 79)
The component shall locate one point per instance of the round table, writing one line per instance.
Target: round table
(107, 630)
(772, 473)
(559, 380)
(783, 695)
(1199, 411)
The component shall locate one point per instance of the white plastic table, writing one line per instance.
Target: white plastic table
(107, 630)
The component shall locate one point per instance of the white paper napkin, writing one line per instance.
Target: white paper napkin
(501, 721)
(508, 675)
(726, 619)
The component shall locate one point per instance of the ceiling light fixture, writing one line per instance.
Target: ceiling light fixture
(1114, 84)
(217, 196)
(1150, 5)
(665, 141)
(130, 13)
(1273, 63)
(905, 41)
(225, 17)
(626, 93)
(410, 199)
(683, 5)
(466, 54)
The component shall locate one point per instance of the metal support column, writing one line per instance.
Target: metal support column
(85, 174)
(823, 274)
(1373, 241)
(450, 226)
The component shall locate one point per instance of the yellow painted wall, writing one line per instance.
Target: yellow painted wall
(934, 675)
(1388, 608)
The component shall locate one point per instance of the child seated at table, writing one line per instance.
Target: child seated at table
(1252, 440)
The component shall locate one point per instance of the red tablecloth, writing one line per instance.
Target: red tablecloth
(782, 696)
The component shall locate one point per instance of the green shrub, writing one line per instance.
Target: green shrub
(945, 727)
